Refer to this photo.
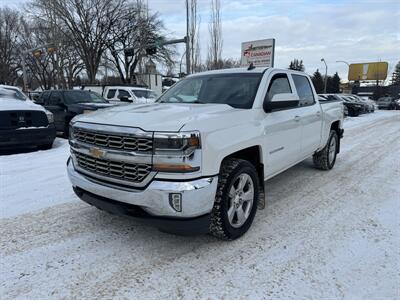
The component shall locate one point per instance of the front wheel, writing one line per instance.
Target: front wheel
(326, 158)
(236, 199)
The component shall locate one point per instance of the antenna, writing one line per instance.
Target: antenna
(251, 67)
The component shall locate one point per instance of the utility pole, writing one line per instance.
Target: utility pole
(187, 39)
(326, 74)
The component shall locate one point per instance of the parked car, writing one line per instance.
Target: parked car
(24, 124)
(122, 94)
(369, 104)
(66, 104)
(352, 107)
(397, 104)
(196, 160)
(386, 102)
(16, 89)
(116, 94)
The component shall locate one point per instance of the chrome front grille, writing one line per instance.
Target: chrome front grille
(134, 173)
(113, 141)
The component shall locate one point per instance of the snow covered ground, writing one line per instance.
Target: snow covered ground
(323, 235)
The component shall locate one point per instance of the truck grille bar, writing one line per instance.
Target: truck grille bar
(113, 141)
(130, 172)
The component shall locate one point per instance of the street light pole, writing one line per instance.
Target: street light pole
(348, 70)
(326, 74)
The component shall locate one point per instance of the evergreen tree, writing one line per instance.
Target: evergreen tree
(336, 83)
(333, 84)
(396, 75)
(318, 82)
(296, 65)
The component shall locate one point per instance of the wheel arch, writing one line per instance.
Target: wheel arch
(253, 155)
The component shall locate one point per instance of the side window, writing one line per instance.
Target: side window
(279, 85)
(123, 93)
(44, 98)
(111, 94)
(55, 98)
(304, 90)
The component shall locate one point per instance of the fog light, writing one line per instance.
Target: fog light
(175, 200)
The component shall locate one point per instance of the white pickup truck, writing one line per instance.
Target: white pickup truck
(196, 160)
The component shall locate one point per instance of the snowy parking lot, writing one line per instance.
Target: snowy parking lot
(322, 235)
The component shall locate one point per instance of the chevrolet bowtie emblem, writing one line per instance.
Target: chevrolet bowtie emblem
(97, 152)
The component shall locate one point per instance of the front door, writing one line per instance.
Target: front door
(56, 106)
(282, 130)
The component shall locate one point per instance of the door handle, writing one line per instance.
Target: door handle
(297, 118)
(318, 113)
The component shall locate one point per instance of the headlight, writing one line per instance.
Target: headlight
(177, 152)
(50, 117)
(176, 143)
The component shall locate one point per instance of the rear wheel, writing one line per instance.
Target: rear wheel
(236, 199)
(326, 158)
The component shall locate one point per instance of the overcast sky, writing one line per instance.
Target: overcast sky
(353, 31)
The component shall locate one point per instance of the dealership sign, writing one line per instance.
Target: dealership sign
(368, 71)
(261, 53)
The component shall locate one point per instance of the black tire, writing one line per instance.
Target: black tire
(46, 147)
(220, 225)
(322, 159)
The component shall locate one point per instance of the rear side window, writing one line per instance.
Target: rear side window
(111, 93)
(123, 93)
(304, 90)
(279, 85)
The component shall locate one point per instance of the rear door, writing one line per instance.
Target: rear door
(282, 129)
(124, 93)
(56, 106)
(310, 115)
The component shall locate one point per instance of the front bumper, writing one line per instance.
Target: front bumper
(29, 137)
(197, 195)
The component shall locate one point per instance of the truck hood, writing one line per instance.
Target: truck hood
(89, 106)
(14, 104)
(156, 116)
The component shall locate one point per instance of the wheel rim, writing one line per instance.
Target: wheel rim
(241, 197)
(332, 150)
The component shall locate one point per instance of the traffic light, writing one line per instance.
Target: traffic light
(37, 53)
(151, 50)
(129, 52)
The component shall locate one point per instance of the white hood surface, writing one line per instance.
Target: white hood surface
(14, 104)
(158, 116)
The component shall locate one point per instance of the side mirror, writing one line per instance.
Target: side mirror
(280, 101)
(125, 99)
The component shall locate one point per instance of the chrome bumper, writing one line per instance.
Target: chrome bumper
(197, 195)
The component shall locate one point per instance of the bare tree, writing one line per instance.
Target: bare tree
(194, 36)
(87, 24)
(9, 56)
(136, 29)
(215, 30)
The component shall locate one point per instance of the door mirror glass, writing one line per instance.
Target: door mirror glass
(125, 99)
(280, 101)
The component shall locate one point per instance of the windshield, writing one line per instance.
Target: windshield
(6, 93)
(236, 90)
(73, 97)
(96, 97)
(144, 94)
